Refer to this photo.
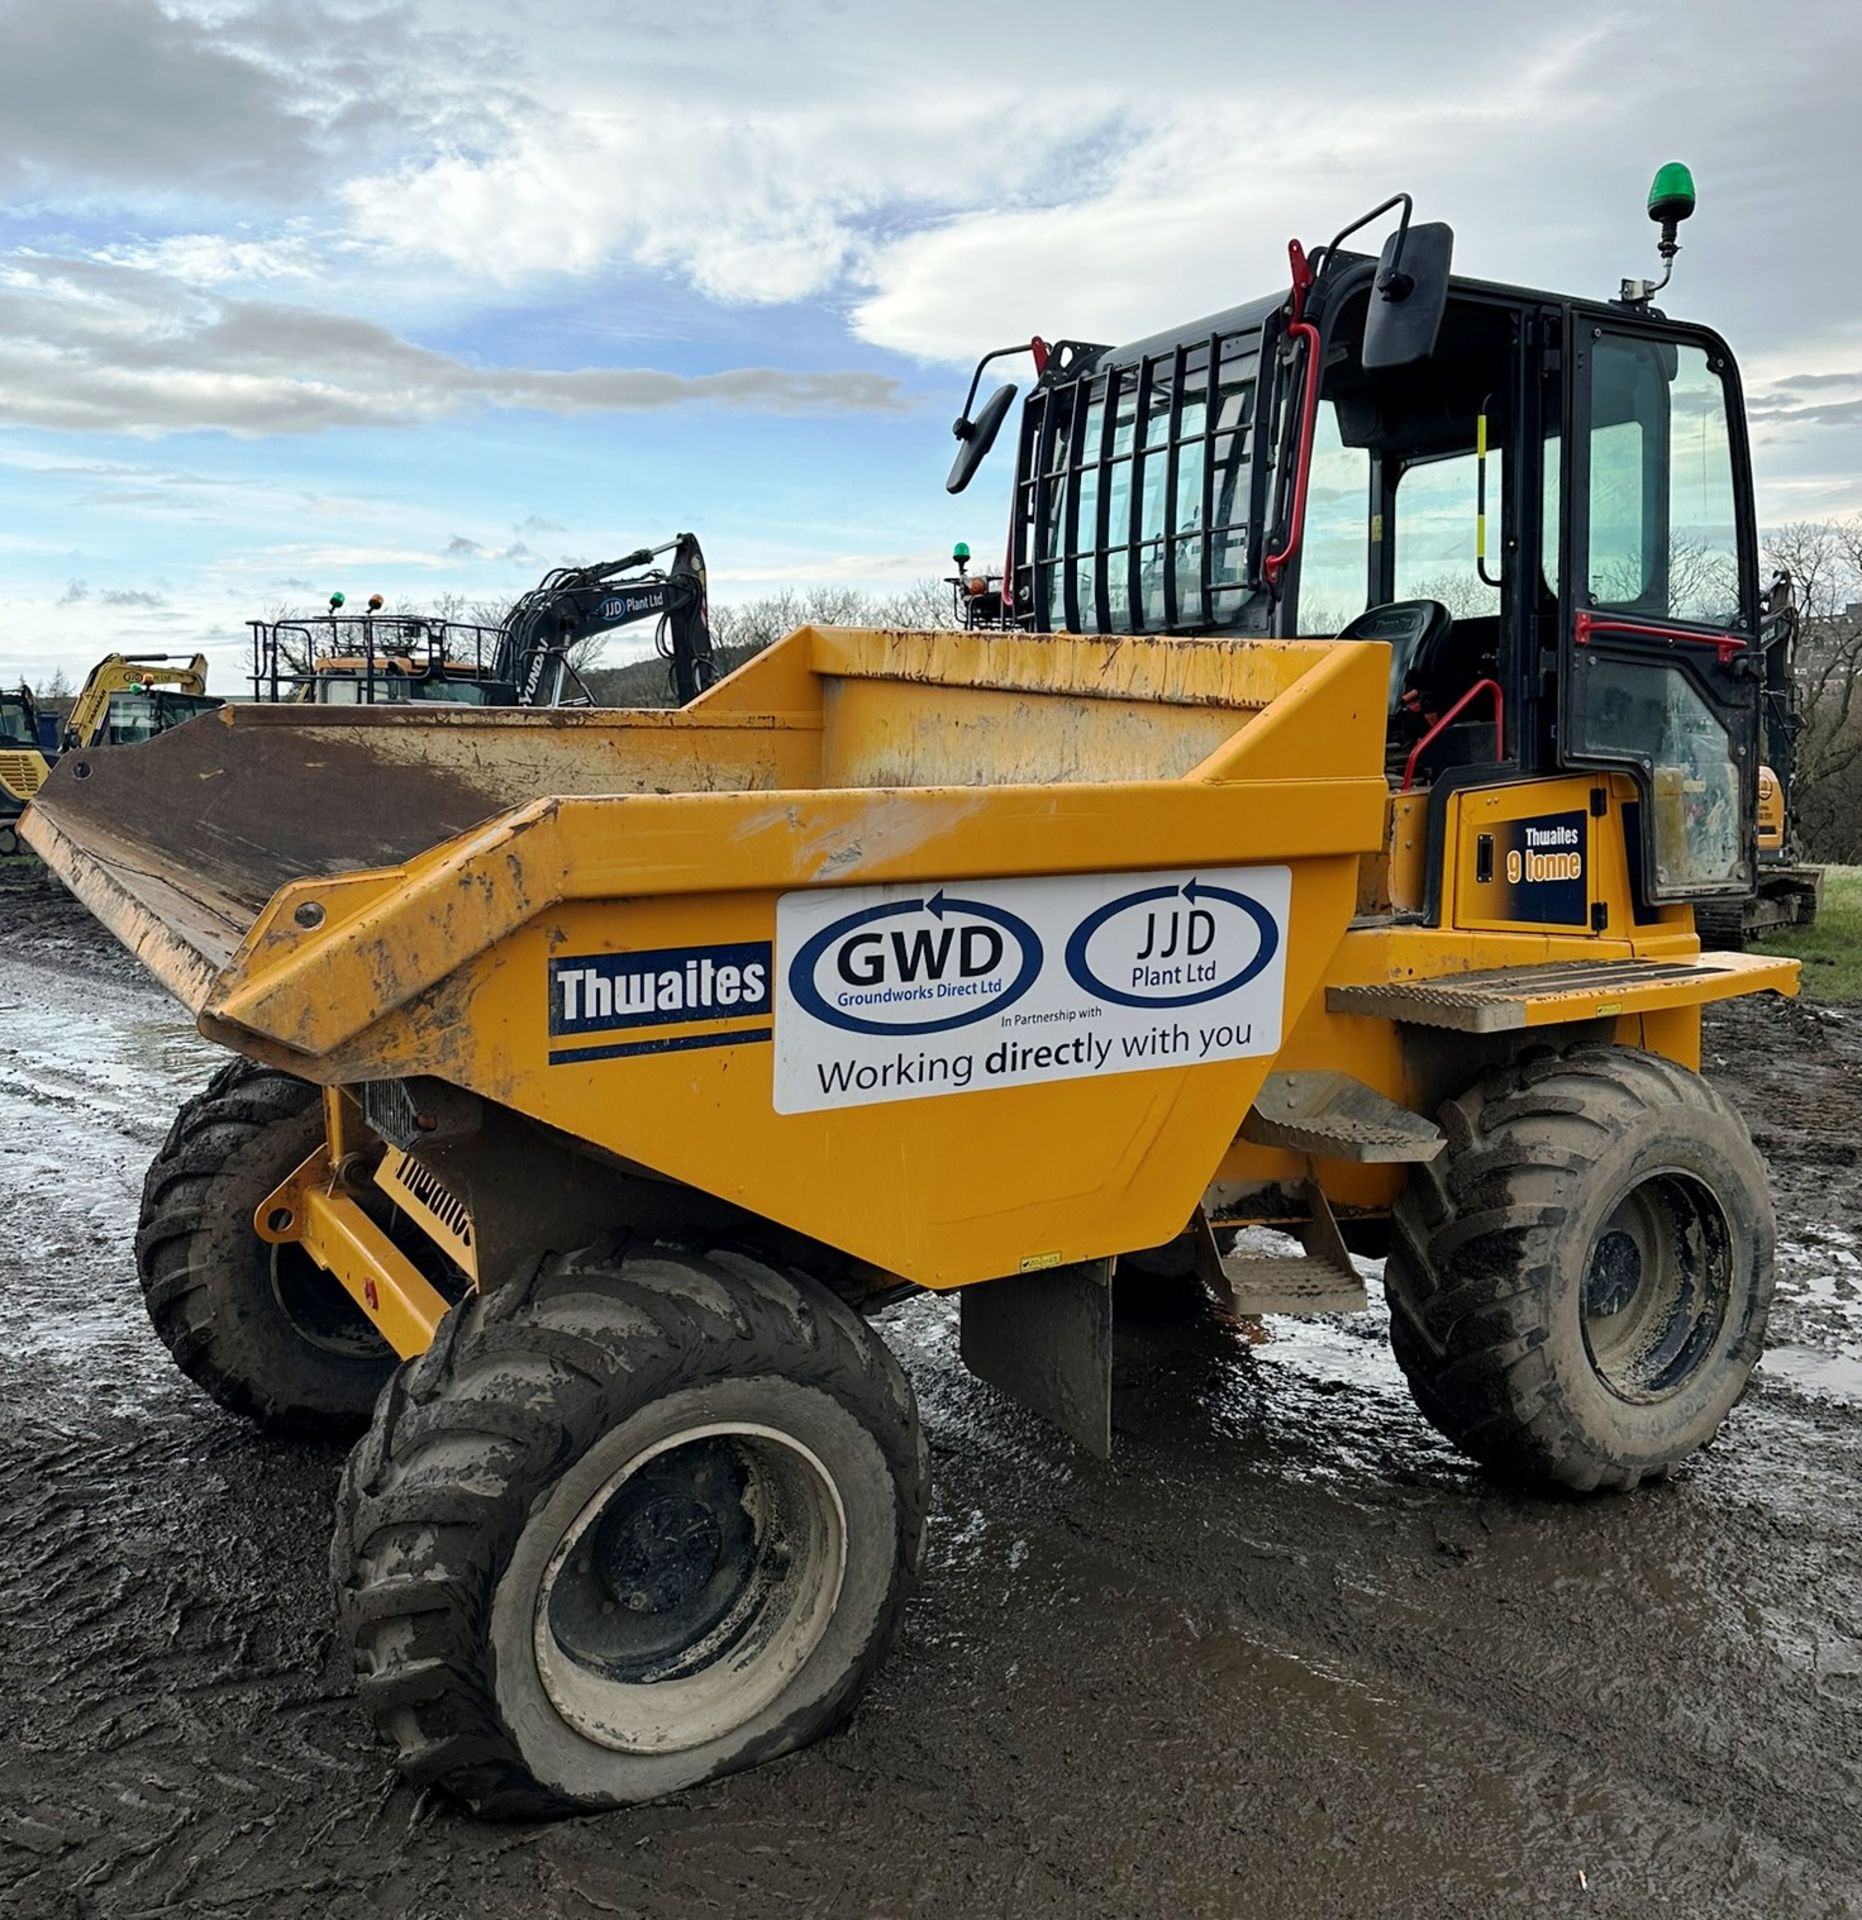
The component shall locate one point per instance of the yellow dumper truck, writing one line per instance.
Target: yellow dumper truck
(598, 1071)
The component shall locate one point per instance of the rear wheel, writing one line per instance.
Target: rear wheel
(262, 1328)
(1579, 1285)
(9, 840)
(642, 1520)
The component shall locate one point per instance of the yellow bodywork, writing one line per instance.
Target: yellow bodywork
(437, 862)
(22, 773)
(1771, 812)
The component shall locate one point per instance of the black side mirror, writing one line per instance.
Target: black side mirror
(1410, 296)
(977, 436)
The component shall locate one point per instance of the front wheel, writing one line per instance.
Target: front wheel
(640, 1521)
(262, 1328)
(1579, 1285)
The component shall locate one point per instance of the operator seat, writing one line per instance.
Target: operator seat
(1416, 631)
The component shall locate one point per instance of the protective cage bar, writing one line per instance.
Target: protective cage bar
(1104, 541)
(376, 641)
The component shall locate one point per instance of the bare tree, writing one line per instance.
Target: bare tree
(1703, 580)
(1825, 562)
(751, 625)
(743, 628)
(1460, 592)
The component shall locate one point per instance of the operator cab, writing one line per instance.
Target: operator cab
(397, 682)
(19, 720)
(377, 659)
(135, 716)
(1542, 505)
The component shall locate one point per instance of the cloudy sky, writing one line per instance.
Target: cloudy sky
(427, 296)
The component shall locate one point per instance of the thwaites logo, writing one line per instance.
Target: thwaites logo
(901, 993)
(668, 988)
(1542, 869)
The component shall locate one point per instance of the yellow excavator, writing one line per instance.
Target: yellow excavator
(126, 700)
(23, 765)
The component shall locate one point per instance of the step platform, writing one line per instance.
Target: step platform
(1336, 1117)
(1560, 992)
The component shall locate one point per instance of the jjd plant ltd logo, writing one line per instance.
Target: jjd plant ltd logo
(1169, 946)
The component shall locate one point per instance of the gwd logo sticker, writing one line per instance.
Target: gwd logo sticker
(916, 966)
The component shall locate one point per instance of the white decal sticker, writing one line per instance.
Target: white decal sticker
(908, 993)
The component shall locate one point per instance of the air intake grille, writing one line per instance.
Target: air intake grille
(23, 772)
(388, 1107)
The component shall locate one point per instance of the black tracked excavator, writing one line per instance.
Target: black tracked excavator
(528, 660)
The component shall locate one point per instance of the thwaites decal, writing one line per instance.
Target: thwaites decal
(1541, 868)
(680, 993)
(913, 993)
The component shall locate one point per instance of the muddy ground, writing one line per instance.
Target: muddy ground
(1285, 1655)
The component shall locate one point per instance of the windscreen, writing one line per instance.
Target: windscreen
(16, 728)
(141, 716)
(1136, 503)
(471, 693)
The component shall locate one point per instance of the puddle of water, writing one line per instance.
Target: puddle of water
(1835, 1376)
(91, 1073)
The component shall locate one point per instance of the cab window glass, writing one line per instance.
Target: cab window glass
(1170, 500)
(1434, 531)
(1663, 527)
(1551, 508)
(1648, 713)
(1228, 560)
(1334, 553)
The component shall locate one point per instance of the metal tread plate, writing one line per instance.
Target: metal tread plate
(1513, 997)
(1337, 1117)
(1270, 1284)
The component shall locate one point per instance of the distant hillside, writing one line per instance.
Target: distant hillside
(648, 682)
(747, 628)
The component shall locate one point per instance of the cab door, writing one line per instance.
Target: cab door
(1659, 662)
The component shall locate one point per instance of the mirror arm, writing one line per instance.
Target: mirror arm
(1403, 200)
(962, 427)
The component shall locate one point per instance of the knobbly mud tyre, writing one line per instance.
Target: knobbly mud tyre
(265, 1331)
(637, 1521)
(1579, 1283)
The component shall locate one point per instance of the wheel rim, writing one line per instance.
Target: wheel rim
(320, 1311)
(1657, 1285)
(690, 1588)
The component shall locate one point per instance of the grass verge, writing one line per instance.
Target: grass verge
(1831, 949)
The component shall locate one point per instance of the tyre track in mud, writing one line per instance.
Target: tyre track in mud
(1285, 1655)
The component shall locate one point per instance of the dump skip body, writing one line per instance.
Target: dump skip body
(603, 921)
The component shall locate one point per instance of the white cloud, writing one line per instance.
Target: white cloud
(218, 260)
(768, 204)
(99, 345)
